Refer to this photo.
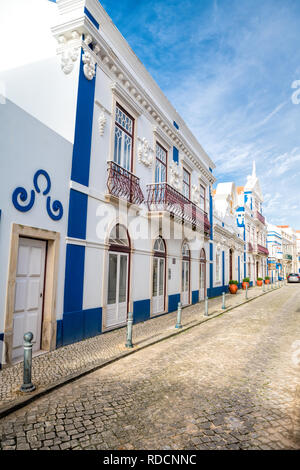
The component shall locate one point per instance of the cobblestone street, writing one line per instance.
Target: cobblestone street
(56, 367)
(230, 383)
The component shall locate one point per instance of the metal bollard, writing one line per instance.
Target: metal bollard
(129, 330)
(246, 292)
(263, 287)
(272, 284)
(223, 301)
(206, 307)
(27, 385)
(179, 310)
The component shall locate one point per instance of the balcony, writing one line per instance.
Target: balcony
(260, 218)
(250, 247)
(262, 250)
(163, 197)
(123, 184)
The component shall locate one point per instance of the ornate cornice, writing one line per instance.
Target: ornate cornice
(162, 136)
(124, 96)
(125, 83)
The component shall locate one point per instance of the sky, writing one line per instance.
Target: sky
(228, 67)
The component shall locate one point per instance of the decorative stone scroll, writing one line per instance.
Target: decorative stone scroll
(145, 152)
(176, 175)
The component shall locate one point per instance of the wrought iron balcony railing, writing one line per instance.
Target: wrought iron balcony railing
(262, 250)
(260, 217)
(123, 184)
(163, 197)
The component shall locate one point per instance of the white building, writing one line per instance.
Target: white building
(275, 258)
(252, 227)
(228, 242)
(105, 192)
(283, 247)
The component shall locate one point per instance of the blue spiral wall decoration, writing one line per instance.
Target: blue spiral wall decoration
(55, 209)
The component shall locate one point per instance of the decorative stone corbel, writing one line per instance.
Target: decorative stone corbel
(176, 175)
(69, 51)
(101, 122)
(89, 68)
(102, 118)
(145, 152)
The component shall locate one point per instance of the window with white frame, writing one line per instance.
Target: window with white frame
(218, 270)
(202, 197)
(123, 141)
(186, 184)
(160, 164)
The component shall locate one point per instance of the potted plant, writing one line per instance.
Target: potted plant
(233, 287)
(246, 281)
(259, 281)
(267, 280)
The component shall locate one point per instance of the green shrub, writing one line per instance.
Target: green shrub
(233, 282)
(260, 279)
(246, 279)
(267, 278)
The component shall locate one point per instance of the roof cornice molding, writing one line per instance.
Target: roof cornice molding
(111, 31)
(119, 92)
(108, 61)
(162, 136)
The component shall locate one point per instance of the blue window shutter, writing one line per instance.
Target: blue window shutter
(175, 155)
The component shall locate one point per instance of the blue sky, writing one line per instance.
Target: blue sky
(228, 66)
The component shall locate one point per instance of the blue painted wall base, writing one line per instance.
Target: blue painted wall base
(173, 302)
(77, 326)
(216, 291)
(141, 311)
(1, 348)
(59, 333)
(195, 297)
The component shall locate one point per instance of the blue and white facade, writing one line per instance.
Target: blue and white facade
(228, 263)
(275, 258)
(240, 233)
(283, 251)
(252, 228)
(106, 196)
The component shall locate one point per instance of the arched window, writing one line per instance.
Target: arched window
(185, 251)
(159, 245)
(119, 238)
(159, 276)
(202, 256)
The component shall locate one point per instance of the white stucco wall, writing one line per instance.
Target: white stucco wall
(26, 145)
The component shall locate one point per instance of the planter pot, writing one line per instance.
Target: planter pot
(233, 288)
(267, 281)
(259, 283)
(244, 284)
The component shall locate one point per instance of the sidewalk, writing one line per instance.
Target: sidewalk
(52, 369)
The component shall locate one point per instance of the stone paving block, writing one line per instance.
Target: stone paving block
(225, 384)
